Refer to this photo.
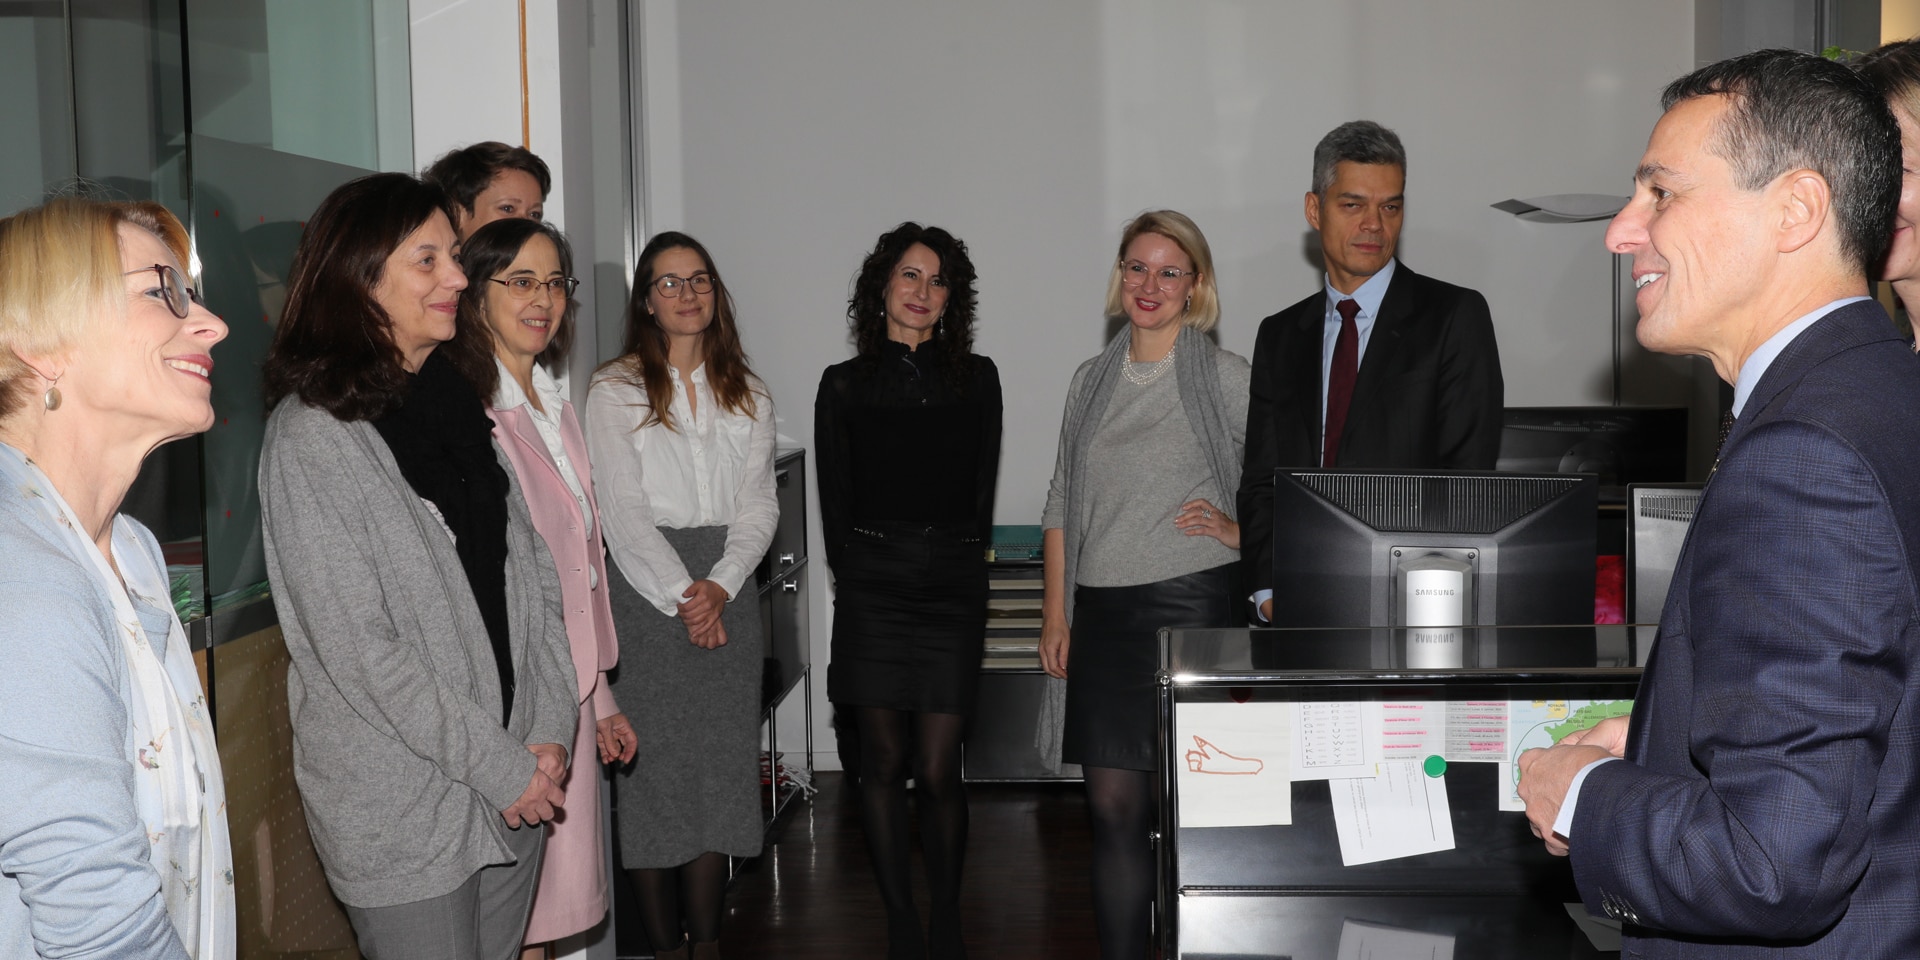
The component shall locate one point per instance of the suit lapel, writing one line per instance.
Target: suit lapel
(520, 425)
(1307, 369)
(1853, 325)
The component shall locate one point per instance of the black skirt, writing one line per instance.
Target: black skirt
(1114, 654)
(909, 618)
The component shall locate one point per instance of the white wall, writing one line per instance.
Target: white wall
(789, 136)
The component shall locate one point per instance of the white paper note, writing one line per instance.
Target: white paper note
(1360, 940)
(1400, 813)
(1336, 740)
(1476, 731)
(1232, 763)
(1412, 729)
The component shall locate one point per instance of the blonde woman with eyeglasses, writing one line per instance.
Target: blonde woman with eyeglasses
(682, 438)
(113, 821)
(1136, 537)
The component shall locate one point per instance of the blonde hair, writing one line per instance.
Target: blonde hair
(61, 261)
(1203, 307)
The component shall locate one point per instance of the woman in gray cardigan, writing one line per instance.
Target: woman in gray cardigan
(1135, 539)
(431, 688)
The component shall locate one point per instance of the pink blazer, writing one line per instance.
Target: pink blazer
(557, 517)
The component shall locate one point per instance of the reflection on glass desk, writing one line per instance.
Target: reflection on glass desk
(1380, 928)
(1285, 889)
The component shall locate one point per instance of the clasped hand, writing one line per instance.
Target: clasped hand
(543, 797)
(1547, 773)
(704, 602)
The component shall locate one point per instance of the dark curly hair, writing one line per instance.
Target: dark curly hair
(867, 308)
(334, 345)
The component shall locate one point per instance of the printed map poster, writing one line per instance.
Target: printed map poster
(1543, 723)
(1233, 764)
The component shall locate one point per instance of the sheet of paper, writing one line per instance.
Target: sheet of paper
(1233, 763)
(1360, 940)
(1400, 813)
(1543, 723)
(1476, 731)
(1336, 740)
(1413, 729)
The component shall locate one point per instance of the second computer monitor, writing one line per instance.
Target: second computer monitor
(1410, 548)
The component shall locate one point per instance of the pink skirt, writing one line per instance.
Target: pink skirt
(572, 893)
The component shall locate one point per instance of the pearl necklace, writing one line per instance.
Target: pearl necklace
(1155, 370)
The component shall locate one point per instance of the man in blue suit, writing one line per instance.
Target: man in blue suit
(1768, 799)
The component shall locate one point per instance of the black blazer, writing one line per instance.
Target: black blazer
(1428, 396)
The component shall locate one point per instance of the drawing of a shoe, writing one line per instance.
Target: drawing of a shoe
(1207, 758)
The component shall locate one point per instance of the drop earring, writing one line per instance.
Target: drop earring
(52, 397)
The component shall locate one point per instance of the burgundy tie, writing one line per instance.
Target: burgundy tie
(1346, 365)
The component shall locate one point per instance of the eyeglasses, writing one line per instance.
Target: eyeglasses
(526, 288)
(1135, 274)
(180, 298)
(670, 286)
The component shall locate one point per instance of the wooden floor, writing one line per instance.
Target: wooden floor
(1025, 892)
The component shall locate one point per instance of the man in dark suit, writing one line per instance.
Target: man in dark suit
(1768, 802)
(1381, 368)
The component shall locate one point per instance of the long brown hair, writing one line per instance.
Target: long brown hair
(643, 357)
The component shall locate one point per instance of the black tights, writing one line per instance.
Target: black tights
(1123, 807)
(683, 902)
(892, 743)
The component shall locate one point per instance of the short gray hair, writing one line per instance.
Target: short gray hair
(1356, 141)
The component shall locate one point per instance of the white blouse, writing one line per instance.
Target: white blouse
(715, 468)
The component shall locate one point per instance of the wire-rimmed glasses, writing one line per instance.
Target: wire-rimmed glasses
(526, 288)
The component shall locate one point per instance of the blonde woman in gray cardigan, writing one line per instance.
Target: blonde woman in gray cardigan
(431, 687)
(1135, 539)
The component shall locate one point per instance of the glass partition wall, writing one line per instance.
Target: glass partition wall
(239, 116)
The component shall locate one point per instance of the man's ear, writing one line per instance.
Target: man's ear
(1805, 203)
(1313, 210)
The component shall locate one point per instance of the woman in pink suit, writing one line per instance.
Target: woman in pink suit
(521, 288)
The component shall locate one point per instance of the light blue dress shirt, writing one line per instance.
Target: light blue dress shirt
(1743, 384)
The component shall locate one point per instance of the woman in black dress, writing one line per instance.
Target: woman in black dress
(908, 436)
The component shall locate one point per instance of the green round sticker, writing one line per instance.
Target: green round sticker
(1435, 766)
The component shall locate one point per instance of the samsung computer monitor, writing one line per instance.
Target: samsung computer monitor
(1410, 548)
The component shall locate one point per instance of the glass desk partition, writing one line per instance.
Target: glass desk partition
(1339, 792)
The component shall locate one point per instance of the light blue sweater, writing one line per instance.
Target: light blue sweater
(75, 880)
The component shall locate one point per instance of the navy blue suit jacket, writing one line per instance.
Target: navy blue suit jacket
(1769, 804)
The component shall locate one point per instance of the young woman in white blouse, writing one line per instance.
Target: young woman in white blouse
(681, 434)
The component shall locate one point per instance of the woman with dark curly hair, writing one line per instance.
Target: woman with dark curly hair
(908, 436)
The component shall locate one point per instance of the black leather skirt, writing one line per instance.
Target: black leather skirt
(909, 618)
(1114, 654)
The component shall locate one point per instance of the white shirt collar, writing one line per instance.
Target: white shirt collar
(508, 394)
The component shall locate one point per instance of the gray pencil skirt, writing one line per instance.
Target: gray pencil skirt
(694, 784)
